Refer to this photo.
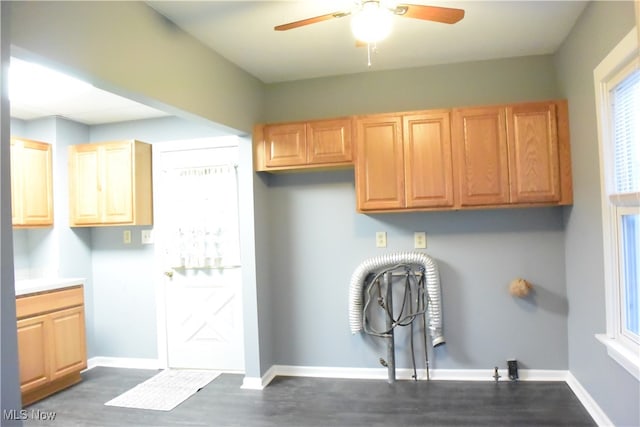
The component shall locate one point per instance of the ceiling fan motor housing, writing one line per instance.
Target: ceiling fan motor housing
(371, 22)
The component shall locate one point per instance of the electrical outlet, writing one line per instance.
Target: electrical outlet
(146, 237)
(381, 239)
(420, 240)
(126, 237)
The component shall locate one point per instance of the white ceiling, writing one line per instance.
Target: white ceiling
(36, 91)
(242, 32)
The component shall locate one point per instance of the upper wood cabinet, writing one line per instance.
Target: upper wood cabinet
(110, 184)
(31, 183)
(404, 161)
(534, 166)
(428, 161)
(303, 145)
(379, 166)
(480, 136)
(511, 155)
(516, 154)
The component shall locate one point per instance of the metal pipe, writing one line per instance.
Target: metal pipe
(391, 348)
(425, 302)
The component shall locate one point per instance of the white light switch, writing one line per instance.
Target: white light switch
(420, 240)
(381, 239)
(126, 237)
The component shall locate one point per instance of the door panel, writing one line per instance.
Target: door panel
(481, 156)
(118, 196)
(85, 182)
(285, 145)
(380, 163)
(32, 348)
(197, 241)
(428, 164)
(68, 342)
(533, 153)
(329, 141)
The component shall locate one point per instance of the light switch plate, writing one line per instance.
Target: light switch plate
(381, 239)
(126, 237)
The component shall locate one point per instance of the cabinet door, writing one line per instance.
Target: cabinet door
(480, 139)
(37, 200)
(117, 185)
(33, 343)
(31, 183)
(285, 145)
(427, 155)
(533, 153)
(68, 348)
(379, 163)
(84, 185)
(329, 141)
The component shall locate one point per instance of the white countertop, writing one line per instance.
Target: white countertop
(42, 285)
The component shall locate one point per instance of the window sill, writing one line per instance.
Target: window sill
(625, 357)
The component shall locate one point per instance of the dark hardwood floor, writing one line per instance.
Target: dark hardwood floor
(296, 401)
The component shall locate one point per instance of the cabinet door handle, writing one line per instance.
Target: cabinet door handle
(169, 274)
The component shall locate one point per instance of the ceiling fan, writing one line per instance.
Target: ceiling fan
(371, 19)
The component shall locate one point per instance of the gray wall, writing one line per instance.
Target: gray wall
(442, 86)
(601, 27)
(320, 239)
(147, 58)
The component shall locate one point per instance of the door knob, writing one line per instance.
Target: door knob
(169, 274)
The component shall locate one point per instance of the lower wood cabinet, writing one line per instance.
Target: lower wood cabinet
(51, 341)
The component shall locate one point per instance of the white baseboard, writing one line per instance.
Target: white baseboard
(124, 362)
(255, 383)
(407, 374)
(588, 402)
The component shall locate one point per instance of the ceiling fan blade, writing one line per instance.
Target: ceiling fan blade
(445, 15)
(309, 21)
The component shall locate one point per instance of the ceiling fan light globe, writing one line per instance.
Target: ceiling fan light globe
(372, 23)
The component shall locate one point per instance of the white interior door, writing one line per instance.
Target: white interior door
(197, 245)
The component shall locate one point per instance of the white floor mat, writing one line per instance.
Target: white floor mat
(166, 390)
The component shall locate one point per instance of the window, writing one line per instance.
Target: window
(617, 84)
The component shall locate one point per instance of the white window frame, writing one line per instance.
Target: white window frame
(622, 348)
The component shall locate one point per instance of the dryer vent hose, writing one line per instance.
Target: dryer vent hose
(434, 307)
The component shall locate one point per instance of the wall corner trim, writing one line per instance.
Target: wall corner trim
(588, 402)
(255, 383)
